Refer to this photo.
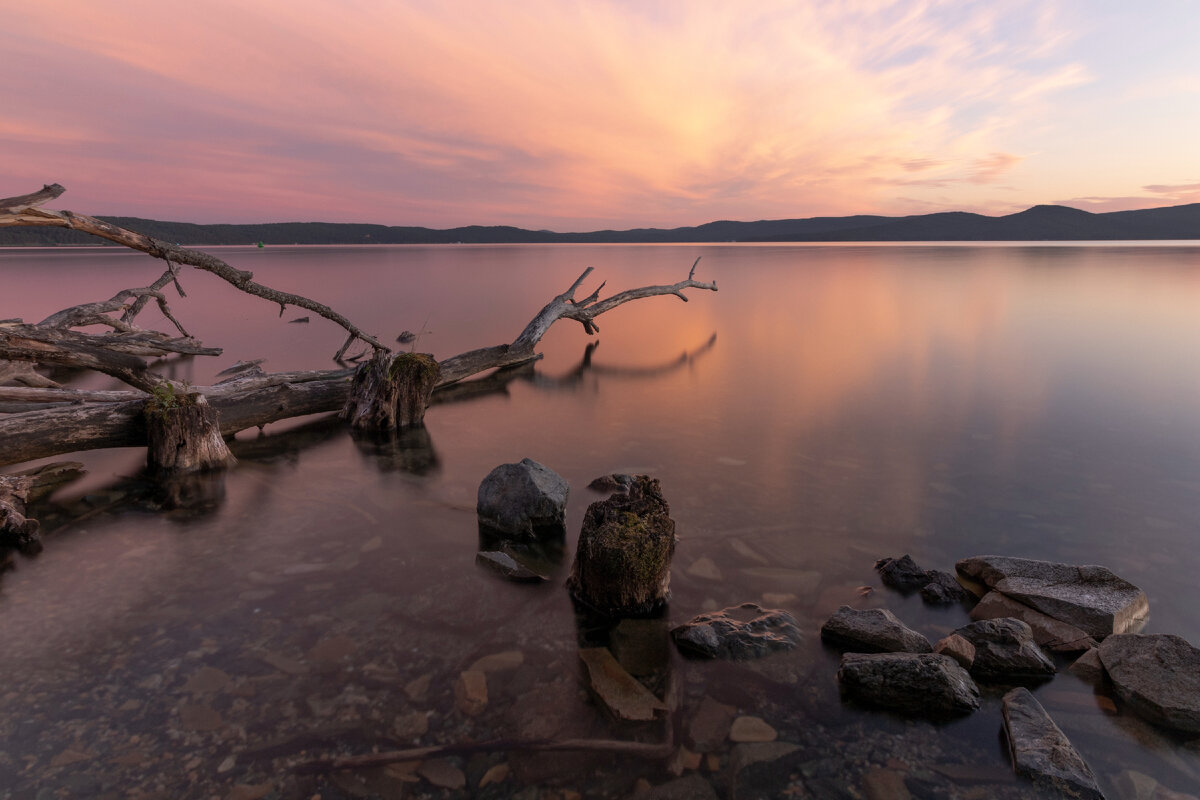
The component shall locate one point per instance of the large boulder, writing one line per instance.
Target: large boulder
(1006, 652)
(1041, 752)
(914, 684)
(523, 499)
(872, 630)
(745, 632)
(1091, 598)
(622, 563)
(1158, 677)
(1048, 632)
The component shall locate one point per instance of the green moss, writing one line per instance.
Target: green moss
(166, 396)
(421, 367)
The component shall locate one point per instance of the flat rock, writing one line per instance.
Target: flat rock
(1041, 752)
(752, 729)
(1048, 632)
(1005, 651)
(916, 684)
(742, 632)
(872, 630)
(944, 590)
(523, 499)
(1157, 676)
(619, 691)
(506, 566)
(709, 726)
(443, 774)
(1089, 597)
(498, 662)
(901, 573)
(470, 692)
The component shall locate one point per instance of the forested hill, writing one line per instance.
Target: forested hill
(1040, 223)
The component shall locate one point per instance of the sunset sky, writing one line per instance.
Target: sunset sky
(574, 115)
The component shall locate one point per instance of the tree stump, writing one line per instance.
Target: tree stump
(391, 391)
(623, 561)
(183, 434)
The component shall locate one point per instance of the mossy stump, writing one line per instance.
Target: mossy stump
(623, 561)
(391, 391)
(182, 433)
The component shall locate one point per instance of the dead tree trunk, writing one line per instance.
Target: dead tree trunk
(183, 435)
(16, 530)
(391, 392)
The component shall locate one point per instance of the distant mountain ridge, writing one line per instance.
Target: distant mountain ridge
(1039, 223)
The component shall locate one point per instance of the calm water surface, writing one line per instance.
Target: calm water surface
(829, 406)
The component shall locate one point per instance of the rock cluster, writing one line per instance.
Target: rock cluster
(744, 632)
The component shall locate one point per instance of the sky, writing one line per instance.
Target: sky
(573, 115)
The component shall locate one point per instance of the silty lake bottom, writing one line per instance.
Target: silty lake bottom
(829, 406)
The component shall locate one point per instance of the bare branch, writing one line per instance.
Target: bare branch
(16, 205)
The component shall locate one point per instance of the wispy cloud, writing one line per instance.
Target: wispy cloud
(543, 113)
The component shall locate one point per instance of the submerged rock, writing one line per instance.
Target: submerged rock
(1041, 751)
(621, 694)
(523, 499)
(914, 684)
(872, 630)
(744, 632)
(1089, 597)
(1005, 651)
(1048, 632)
(616, 482)
(1157, 676)
(506, 566)
(944, 590)
(901, 573)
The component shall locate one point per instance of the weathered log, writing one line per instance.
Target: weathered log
(183, 434)
(623, 559)
(16, 530)
(391, 391)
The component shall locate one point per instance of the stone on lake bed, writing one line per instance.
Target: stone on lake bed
(872, 630)
(619, 691)
(1048, 632)
(1157, 676)
(506, 566)
(1005, 651)
(1089, 597)
(751, 729)
(913, 684)
(742, 632)
(957, 648)
(944, 590)
(523, 499)
(1041, 752)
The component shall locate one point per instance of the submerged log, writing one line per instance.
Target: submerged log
(391, 391)
(623, 560)
(183, 434)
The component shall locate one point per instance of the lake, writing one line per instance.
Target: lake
(830, 405)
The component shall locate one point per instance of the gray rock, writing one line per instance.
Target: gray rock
(901, 573)
(1048, 632)
(1157, 676)
(872, 630)
(744, 632)
(523, 499)
(1088, 667)
(944, 590)
(1005, 651)
(1041, 752)
(917, 684)
(1089, 597)
(505, 565)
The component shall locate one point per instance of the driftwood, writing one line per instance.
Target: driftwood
(71, 420)
(182, 434)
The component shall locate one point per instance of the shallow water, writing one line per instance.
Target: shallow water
(856, 402)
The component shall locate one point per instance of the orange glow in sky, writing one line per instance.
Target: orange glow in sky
(584, 115)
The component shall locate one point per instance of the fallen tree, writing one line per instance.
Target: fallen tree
(55, 419)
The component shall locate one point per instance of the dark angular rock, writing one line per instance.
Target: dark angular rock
(901, 573)
(1041, 752)
(1089, 597)
(1050, 633)
(523, 499)
(747, 631)
(1157, 676)
(944, 590)
(872, 630)
(616, 482)
(1005, 651)
(914, 684)
(506, 566)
